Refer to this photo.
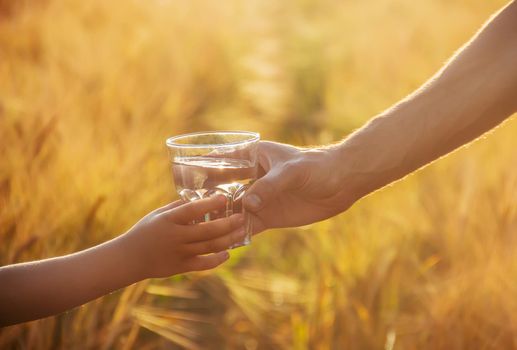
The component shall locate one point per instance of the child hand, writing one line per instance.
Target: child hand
(163, 243)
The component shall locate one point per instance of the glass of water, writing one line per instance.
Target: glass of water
(205, 164)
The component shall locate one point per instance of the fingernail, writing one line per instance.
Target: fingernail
(253, 201)
(226, 255)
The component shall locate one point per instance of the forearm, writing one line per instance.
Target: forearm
(475, 91)
(161, 244)
(42, 288)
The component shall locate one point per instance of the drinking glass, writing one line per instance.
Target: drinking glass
(216, 162)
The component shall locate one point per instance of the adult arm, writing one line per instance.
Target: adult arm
(475, 91)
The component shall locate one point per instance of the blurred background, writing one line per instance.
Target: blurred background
(89, 91)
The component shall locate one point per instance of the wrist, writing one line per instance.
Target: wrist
(133, 266)
(349, 183)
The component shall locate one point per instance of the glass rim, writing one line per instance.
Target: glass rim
(171, 141)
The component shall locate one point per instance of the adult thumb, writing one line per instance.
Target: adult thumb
(266, 188)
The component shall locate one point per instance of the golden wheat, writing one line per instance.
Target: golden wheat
(90, 90)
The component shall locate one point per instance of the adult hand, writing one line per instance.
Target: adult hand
(299, 187)
(472, 94)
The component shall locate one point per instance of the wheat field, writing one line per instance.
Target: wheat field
(89, 91)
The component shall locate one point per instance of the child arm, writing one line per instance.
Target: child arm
(159, 245)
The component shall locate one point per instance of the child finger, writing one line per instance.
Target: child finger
(169, 206)
(217, 244)
(213, 229)
(206, 262)
(193, 210)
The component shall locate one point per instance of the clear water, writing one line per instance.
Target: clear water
(202, 177)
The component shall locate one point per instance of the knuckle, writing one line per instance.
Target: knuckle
(291, 167)
(288, 166)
